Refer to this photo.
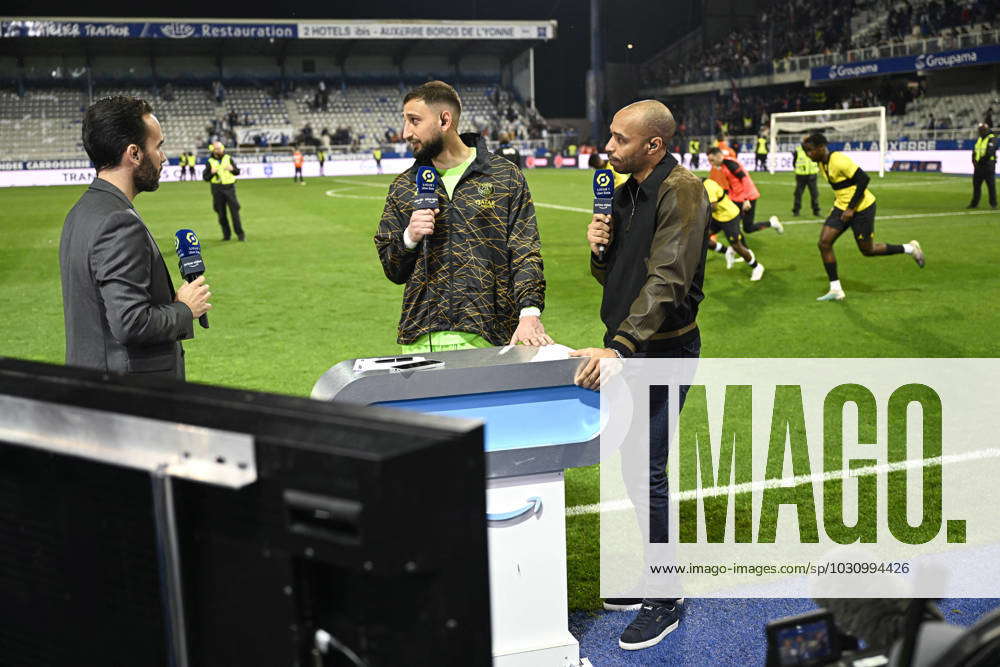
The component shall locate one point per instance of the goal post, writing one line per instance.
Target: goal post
(865, 126)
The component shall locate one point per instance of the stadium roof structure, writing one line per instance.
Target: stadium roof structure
(156, 36)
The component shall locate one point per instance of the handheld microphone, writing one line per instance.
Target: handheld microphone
(426, 197)
(188, 249)
(604, 190)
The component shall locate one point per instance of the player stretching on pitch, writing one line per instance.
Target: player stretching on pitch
(854, 207)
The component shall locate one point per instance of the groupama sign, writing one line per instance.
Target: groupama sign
(981, 55)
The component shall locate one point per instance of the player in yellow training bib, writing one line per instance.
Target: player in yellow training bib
(853, 208)
(726, 219)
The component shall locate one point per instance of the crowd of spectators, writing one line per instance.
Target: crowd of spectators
(746, 112)
(788, 28)
(784, 28)
(219, 129)
(905, 20)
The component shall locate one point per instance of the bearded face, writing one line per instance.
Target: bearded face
(147, 177)
(427, 151)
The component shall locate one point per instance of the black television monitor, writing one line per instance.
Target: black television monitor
(365, 524)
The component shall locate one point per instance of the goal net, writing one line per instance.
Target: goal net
(859, 129)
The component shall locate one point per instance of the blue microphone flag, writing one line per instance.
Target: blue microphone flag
(604, 190)
(188, 249)
(427, 182)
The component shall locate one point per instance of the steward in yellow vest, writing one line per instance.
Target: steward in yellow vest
(694, 148)
(761, 154)
(984, 166)
(805, 176)
(221, 171)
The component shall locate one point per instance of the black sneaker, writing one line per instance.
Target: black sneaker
(622, 604)
(655, 621)
(627, 604)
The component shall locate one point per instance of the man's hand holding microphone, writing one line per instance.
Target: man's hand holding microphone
(195, 296)
(194, 293)
(599, 234)
(421, 224)
(599, 229)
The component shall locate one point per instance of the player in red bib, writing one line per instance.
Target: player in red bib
(742, 191)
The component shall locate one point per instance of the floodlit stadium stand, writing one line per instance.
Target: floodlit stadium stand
(959, 113)
(371, 111)
(44, 124)
(792, 36)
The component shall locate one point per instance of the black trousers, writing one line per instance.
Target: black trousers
(761, 164)
(989, 177)
(694, 160)
(225, 196)
(801, 182)
(750, 224)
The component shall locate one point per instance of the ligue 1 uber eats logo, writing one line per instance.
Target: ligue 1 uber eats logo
(729, 479)
(603, 180)
(191, 238)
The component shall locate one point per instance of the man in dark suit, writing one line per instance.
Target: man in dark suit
(120, 308)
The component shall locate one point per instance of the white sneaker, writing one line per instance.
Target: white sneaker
(776, 224)
(833, 295)
(730, 257)
(918, 254)
(758, 272)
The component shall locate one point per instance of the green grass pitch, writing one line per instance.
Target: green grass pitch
(307, 291)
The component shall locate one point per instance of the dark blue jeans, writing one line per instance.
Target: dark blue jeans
(659, 434)
(657, 499)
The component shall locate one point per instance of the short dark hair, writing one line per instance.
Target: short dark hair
(713, 150)
(110, 125)
(436, 92)
(816, 139)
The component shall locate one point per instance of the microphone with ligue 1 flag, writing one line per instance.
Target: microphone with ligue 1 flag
(188, 249)
(426, 197)
(604, 190)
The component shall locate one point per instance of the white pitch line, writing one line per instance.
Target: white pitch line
(340, 193)
(880, 218)
(875, 185)
(560, 207)
(381, 186)
(815, 221)
(575, 209)
(751, 487)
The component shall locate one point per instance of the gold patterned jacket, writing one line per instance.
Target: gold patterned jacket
(484, 258)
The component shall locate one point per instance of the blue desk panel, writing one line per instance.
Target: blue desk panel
(521, 417)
